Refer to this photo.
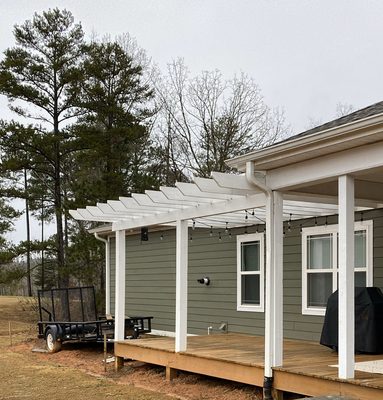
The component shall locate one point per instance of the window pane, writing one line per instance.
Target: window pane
(319, 288)
(360, 249)
(250, 256)
(360, 279)
(319, 251)
(250, 289)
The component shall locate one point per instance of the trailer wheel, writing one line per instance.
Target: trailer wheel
(53, 345)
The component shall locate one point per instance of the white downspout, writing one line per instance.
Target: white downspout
(107, 271)
(274, 286)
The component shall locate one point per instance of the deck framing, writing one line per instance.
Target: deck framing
(307, 367)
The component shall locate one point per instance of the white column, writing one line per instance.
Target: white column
(277, 281)
(269, 348)
(181, 285)
(274, 283)
(107, 276)
(119, 320)
(346, 343)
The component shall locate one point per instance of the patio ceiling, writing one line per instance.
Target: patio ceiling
(225, 201)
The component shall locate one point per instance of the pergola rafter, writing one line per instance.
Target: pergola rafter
(218, 196)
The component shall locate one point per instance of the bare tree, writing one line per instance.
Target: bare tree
(343, 109)
(207, 119)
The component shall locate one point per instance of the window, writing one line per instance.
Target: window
(250, 269)
(320, 263)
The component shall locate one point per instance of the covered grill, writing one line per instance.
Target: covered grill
(368, 321)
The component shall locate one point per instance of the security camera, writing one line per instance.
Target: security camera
(204, 281)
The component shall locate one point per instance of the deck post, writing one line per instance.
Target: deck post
(181, 285)
(107, 276)
(274, 283)
(277, 280)
(346, 341)
(119, 320)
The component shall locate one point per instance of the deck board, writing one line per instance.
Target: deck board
(306, 368)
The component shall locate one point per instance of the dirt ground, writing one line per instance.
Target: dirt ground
(78, 370)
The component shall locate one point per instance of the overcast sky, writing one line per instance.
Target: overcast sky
(306, 56)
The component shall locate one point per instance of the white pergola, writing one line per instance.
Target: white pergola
(334, 172)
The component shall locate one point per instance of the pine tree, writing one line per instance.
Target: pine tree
(39, 76)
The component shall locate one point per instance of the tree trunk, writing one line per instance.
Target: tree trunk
(29, 281)
(42, 242)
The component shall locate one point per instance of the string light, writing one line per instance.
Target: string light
(191, 237)
(162, 236)
(253, 213)
(219, 236)
(300, 229)
(229, 233)
(246, 216)
(193, 227)
(316, 222)
(211, 231)
(256, 229)
(226, 229)
(325, 222)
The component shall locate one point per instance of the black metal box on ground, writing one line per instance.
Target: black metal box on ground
(368, 321)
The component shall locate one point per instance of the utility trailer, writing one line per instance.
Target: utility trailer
(68, 314)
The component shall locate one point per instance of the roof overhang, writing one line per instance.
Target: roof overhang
(361, 132)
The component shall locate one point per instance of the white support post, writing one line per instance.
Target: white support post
(119, 323)
(274, 283)
(181, 284)
(269, 348)
(107, 277)
(346, 341)
(277, 280)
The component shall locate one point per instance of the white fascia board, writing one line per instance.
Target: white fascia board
(340, 134)
(326, 168)
(199, 211)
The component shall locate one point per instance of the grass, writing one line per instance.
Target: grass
(25, 376)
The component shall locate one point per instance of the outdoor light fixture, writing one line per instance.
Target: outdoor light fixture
(204, 281)
(144, 234)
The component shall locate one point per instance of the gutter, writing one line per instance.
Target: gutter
(268, 377)
(107, 271)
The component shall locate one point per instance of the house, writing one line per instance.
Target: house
(274, 241)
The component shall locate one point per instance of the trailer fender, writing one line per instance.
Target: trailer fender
(56, 331)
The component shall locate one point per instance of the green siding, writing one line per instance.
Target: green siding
(150, 280)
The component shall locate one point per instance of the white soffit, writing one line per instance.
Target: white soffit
(225, 201)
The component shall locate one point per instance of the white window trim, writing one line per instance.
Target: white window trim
(252, 237)
(323, 229)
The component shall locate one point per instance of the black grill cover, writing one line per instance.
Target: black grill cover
(368, 321)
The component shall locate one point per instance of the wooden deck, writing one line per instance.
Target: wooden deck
(306, 370)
